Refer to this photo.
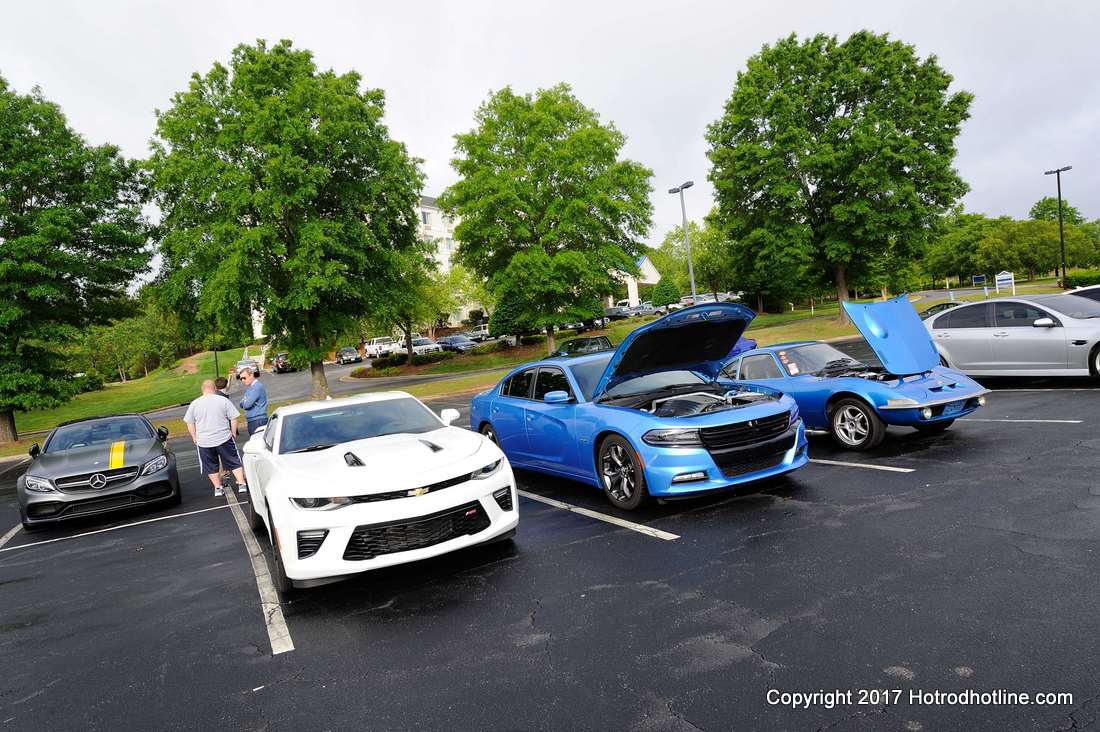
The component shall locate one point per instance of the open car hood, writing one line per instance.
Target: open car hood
(696, 339)
(896, 334)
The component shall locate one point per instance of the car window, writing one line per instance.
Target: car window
(1017, 314)
(761, 366)
(1074, 306)
(519, 385)
(269, 433)
(973, 316)
(551, 379)
(587, 374)
(348, 422)
(1093, 293)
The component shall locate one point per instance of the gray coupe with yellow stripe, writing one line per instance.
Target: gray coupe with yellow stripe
(95, 465)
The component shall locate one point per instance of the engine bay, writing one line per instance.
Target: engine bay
(690, 400)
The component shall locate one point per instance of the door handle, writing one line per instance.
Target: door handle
(1000, 334)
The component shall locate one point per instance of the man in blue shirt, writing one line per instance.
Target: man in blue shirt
(254, 401)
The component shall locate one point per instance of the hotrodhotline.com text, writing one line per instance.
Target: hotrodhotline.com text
(916, 697)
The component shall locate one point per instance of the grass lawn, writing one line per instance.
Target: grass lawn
(161, 388)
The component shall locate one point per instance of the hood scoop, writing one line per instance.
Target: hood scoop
(431, 446)
(353, 460)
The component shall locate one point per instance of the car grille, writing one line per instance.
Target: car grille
(752, 460)
(410, 492)
(310, 541)
(373, 540)
(744, 433)
(82, 482)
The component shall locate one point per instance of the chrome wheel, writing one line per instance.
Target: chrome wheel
(851, 426)
(618, 473)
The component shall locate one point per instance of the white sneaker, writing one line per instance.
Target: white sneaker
(219, 492)
(242, 488)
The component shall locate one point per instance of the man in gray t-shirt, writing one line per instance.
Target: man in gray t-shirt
(212, 421)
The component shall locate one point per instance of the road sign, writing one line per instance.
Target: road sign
(1005, 280)
(978, 279)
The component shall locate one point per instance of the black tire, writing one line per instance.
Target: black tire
(943, 362)
(934, 428)
(854, 425)
(282, 583)
(489, 431)
(621, 477)
(1094, 361)
(176, 499)
(255, 522)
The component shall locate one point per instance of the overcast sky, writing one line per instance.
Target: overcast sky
(660, 71)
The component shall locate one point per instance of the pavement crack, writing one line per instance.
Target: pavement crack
(681, 717)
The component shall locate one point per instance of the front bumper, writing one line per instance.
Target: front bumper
(943, 410)
(330, 559)
(665, 464)
(57, 506)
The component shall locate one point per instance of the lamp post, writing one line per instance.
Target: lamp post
(1057, 173)
(687, 239)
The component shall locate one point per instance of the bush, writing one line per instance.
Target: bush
(394, 359)
(361, 372)
(486, 348)
(424, 358)
(665, 293)
(1083, 278)
(532, 340)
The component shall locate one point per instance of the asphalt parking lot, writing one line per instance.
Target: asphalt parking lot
(965, 560)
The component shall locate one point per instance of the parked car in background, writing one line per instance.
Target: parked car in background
(355, 484)
(281, 363)
(645, 310)
(937, 308)
(348, 354)
(480, 333)
(456, 343)
(1034, 335)
(588, 344)
(377, 347)
(95, 465)
(246, 363)
(420, 347)
(855, 401)
(616, 312)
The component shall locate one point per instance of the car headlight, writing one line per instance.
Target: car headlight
(157, 463)
(672, 438)
(901, 402)
(321, 504)
(794, 415)
(488, 470)
(38, 485)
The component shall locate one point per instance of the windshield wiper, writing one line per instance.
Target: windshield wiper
(312, 448)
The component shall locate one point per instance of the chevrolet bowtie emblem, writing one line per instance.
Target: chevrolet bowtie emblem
(417, 492)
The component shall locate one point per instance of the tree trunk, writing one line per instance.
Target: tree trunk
(884, 298)
(7, 427)
(550, 340)
(407, 329)
(759, 302)
(842, 292)
(317, 371)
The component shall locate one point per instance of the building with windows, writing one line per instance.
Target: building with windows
(437, 227)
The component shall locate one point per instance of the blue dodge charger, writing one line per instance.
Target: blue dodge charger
(855, 401)
(654, 418)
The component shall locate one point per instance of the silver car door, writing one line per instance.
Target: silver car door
(964, 335)
(1018, 345)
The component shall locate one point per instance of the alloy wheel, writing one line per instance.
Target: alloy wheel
(618, 472)
(851, 425)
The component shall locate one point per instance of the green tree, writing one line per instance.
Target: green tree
(666, 292)
(508, 318)
(1046, 209)
(417, 303)
(953, 248)
(670, 258)
(72, 238)
(832, 152)
(713, 257)
(282, 191)
(539, 175)
(1033, 246)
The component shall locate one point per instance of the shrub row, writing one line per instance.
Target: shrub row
(494, 347)
(399, 359)
(1083, 279)
(367, 372)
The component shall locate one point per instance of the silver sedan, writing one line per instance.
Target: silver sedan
(1038, 335)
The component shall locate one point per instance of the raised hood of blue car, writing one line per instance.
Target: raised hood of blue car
(895, 333)
(695, 339)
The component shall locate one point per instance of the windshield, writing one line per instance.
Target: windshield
(422, 342)
(327, 427)
(98, 432)
(587, 374)
(813, 358)
(1074, 306)
(349, 349)
(655, 382)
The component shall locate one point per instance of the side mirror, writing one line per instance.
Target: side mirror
(556, 397)
(1044, 323)
(162, 433)
(449, 415)
(35, 451)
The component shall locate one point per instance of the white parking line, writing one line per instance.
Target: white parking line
(277, 632)
(1029, 421)
(887, 468)
(640, 528)
(1051, 390)
(11, 532)
(110, 528)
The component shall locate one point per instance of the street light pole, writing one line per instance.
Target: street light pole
(1057, 173)
(687, 239)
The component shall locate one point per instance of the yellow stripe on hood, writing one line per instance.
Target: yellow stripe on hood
(118, 451)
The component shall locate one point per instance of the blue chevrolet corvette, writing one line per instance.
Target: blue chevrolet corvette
(855, 401)
(654, 418)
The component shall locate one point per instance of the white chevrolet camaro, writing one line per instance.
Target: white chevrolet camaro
(348, 485)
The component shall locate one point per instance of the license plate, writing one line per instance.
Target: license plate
(953, 407)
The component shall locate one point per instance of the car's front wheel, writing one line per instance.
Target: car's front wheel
(855, 425)
(255, 521)
(489, 431)
(278, 576)
(621, 474)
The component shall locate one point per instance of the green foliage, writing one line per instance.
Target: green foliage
(670, 258)
(532, 340)
(1032, 247)
(72, 238)
(281, 190)
(666, 292)
(830, 154)
(714, 259)
(543, 196)
(954, 245)
(420, 359)
(364, 372)
(494, 347)
(509, 316)
(1046, 209)
(1083, 278)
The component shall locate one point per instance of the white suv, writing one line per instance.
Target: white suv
(379, 347)
(480, 332)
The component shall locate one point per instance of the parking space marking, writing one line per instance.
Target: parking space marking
(640, 528)
(887, 468)
(8, 536)
(1051, 390)
(277, 632)
(1040, 421)
(111, 528)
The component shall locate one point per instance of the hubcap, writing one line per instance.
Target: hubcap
(851, 425)
(617, 471)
